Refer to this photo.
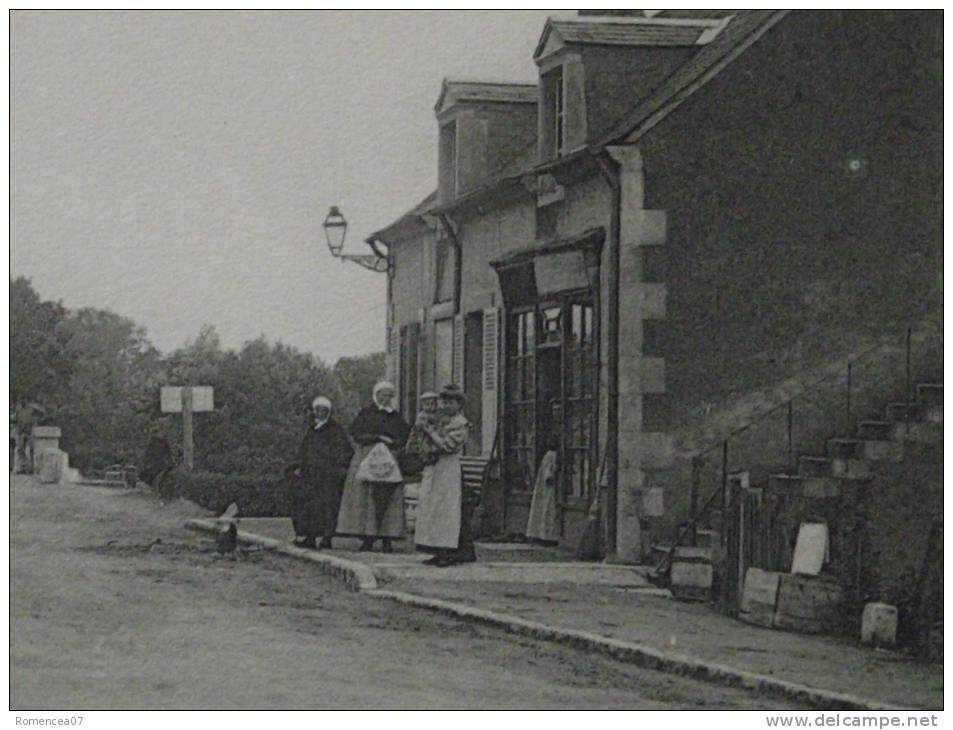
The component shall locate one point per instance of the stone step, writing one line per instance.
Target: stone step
(822, 466)
(793, 485)
(872, 450)
(874, 430)
(520, 552)
(930, 394)
(903, 411)
(920, 432)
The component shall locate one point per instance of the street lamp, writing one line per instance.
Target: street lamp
(335, 229)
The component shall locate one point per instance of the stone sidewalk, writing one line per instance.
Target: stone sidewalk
(613, 609)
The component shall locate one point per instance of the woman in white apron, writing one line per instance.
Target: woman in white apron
(440, 513)
(374, 510)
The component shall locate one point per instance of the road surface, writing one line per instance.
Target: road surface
(116, 606)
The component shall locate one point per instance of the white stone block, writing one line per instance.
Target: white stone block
(878, 626)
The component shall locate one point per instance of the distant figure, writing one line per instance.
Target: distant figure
(322, 463)
(27, 416)
(542, 525)
(442, 516)
(157, 459)
(373, 509)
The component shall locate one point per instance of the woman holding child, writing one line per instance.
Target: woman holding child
(440, 513)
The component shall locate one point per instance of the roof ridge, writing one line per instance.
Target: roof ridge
(629, 20)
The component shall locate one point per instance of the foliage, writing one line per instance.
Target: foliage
(255, 496)
(357, 377)
(38, 364)
(98, 378)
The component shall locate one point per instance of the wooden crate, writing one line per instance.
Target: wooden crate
(809, 603)
(759, 598)
(692, 574)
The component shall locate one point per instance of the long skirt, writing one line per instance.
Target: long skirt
(315, 505)
(441, 506)
(361, 502)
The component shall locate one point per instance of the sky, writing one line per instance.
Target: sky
(176, 167)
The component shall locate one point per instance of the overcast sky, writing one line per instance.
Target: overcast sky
(175, 167)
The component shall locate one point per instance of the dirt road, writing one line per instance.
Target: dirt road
(116, 606)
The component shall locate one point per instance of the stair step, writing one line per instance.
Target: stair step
(920, 432)
(903, 411)
(874, 430)
(870, 449)
(930, 394)
(822, 466)
(792, 485)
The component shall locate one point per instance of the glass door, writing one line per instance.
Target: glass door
(551, 395)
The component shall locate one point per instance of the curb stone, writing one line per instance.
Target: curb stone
(356, 576)
(360, 577)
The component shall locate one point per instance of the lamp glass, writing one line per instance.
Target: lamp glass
(335, 229)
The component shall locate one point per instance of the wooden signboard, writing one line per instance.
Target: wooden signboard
(187, 400)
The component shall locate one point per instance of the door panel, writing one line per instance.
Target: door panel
(551, 378)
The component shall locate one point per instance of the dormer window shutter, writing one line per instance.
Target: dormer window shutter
(574, 100)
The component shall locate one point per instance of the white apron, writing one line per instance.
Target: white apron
(440, 508)
(543, 518)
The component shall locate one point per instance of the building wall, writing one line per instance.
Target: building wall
(802, 190)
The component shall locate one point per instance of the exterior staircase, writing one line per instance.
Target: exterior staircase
(876, 450)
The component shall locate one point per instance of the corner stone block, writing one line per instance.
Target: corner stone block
(652, 375)
(653, 300)
(657, 450)
(641, 227)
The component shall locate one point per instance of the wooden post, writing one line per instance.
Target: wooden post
(187, 445)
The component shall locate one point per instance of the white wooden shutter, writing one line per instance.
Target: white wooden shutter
(458, 350)
(491, 343)
(393, 354)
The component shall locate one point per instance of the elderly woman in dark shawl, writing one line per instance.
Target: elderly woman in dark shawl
(374, 510)
(322, 463)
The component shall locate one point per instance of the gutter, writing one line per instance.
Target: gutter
(610, 172)
(457, 259)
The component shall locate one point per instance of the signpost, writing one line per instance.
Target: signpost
(187, 400)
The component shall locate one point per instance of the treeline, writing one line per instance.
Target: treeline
(97, 377)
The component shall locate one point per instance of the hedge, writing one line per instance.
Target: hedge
(255, 496)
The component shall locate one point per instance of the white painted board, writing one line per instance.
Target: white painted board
(170, 399)
(811, 550)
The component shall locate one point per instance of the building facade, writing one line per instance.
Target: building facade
(689, 206)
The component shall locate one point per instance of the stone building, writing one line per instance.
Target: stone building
(689, 206)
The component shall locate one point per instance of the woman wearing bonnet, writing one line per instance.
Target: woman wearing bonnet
(321, 466)
(374, 509)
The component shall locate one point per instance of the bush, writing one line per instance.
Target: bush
(255, 496)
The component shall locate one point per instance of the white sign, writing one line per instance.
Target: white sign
(170, 398)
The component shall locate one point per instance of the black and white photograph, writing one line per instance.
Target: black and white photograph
(467, 360)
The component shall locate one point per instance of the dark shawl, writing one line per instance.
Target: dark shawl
(323, 457)
(373, 422)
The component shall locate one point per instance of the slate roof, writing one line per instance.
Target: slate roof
(486, 91)
(734, 32)
(631, 31)
(745, 26)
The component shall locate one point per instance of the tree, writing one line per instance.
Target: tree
(109, 400)
(39, 369)
(357, 376)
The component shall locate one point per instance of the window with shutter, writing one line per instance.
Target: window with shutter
(490, 356)
(393, 352)
(458, 350)
(490, 336)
